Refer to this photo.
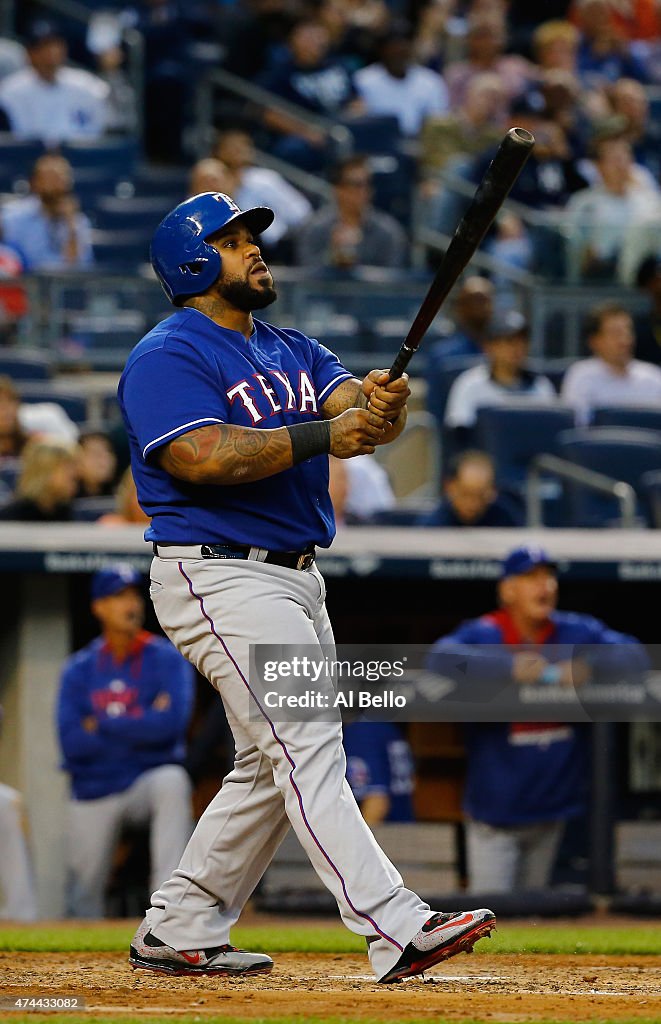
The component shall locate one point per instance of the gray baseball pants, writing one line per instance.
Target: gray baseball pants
(161, 798)
(285, 772)
(17, 893)
(511, 858)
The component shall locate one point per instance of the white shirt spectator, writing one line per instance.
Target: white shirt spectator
(47, 419)
(590, 383)
(261, 186)
(599, 219)
(475, 388)
(12, 57)
(368, 488)
(71, 107)
(420, 94)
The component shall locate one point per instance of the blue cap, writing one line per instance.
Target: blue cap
(523, 559)
(113, 579)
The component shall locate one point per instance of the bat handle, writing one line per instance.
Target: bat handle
(402, 360)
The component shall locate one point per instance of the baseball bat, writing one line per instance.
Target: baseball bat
(491, 193)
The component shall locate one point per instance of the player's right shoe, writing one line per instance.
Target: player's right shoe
(442, 936)
(150, 954)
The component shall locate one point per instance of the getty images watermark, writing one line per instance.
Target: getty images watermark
(325, 682)
(456, 683)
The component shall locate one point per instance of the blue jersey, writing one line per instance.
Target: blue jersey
(527, 772)
(131, 735)
(379, 761)
(189, 372)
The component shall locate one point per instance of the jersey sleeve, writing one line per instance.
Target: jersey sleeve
(327, 371)
(165, 394)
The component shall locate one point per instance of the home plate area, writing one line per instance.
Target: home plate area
(499, 987)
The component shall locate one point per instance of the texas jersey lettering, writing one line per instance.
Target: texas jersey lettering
(188, 372)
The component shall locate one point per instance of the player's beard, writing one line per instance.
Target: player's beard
(244, 296)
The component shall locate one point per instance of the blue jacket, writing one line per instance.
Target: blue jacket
(528, 772)
(379, 760)
(131, 736)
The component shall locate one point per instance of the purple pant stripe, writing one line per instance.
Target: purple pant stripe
(299, 797)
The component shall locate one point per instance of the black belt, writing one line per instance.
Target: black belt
(287, 559)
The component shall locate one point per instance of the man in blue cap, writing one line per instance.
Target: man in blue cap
(124, 706)
(525, 780)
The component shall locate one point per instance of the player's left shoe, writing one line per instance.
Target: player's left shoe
(442, 936)
(150, 954)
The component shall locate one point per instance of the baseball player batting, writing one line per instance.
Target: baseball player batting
(230, 422)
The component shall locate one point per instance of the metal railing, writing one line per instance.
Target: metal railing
(222, 79)
(623, 492)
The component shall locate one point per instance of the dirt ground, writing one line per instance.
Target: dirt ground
(487, 987)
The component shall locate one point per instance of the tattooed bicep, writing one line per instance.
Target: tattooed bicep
(193, 449)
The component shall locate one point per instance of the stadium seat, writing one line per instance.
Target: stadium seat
(554, 369)
(514, 434)
(142, 213)
(88, 510)
(120, 251)
(116, 154)
(440, 379)
(374, 133)
(627, 416)
(17, 157)
(25, 365)
(621, 453)
(650, 484)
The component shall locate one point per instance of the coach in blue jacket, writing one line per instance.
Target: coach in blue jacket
(124, 706)
(526, 780)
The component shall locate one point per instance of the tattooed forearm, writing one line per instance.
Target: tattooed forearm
(347, 395)
(226, 454)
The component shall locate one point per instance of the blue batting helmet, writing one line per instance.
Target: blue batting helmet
(182, 258)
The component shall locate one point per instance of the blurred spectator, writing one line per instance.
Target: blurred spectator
(555, 46)
(629, 101)
(550, 176)
(124, 705)
(612, 376)
(260, 186)
(502, 379)
(601, 218)
(379, 771)
(355, 26)
(604, 53)
(47, 484)
(485, 43)
(18, 900)
(472, 312)
(254, 33)
(349, 231)
(21, 421)
(526, 780)
(13, 56)
(648, 325)
(470, 497)
(13, 436)
(359, 489)
(467, 132)
(13, 294)
(47, 228)
(104, 40)
(310, 77)
(210, 175)
(397, 86)
(50, 101)
(127, 510)
(97, 466)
